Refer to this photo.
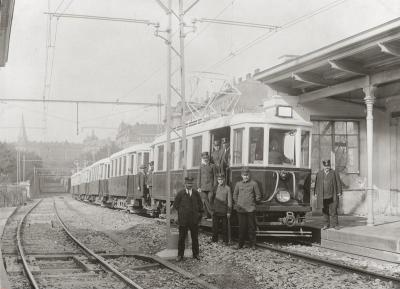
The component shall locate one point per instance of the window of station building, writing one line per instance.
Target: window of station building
(282, 147)
(160, 157)
(340, 138)
(238, 146)
(196, 151)
(305, 148)
(256, 145)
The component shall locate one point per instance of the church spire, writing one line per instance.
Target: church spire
(22, 137)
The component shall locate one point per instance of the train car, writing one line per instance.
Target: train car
(97, 188)
(275, 144)
(75, 181)
(123, 182)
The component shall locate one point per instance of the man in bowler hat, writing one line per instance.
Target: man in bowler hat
(328, 188)
(190, 208)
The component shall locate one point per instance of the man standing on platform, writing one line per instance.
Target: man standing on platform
(245, 196)
(206, 181)
(216, 156)
(221, 204)
(190, 208)
(328, 188)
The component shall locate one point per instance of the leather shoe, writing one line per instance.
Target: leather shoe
(325, 227)
(253, 247)
(196, 257)
(336, 228)
(179, 259)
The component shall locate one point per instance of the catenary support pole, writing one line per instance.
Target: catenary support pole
(183, 94)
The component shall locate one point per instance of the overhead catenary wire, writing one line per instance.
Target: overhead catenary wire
(268, 34)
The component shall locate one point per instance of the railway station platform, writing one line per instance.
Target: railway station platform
(5, 213)
(380, 241)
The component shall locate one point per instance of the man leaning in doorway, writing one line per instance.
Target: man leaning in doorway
(328, 188)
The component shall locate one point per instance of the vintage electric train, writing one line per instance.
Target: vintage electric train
(275, 144)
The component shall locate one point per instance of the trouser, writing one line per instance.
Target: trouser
(329, 210)
(217, 220)
(206, 200)
(194, 231)
(247, 226)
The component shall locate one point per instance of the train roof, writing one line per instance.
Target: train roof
(236, 119)
(102, 161)
(132, 149)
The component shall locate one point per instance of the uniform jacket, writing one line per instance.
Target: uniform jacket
(216, 157)
(226, 155)
(190, 208)
(149, 179)
(221, 202)
(206, 180)
(334, 185)
(140, 181)
(246, 195)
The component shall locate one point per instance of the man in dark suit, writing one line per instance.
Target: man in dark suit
(328, 188)
(216, 156)
(190, 208)
(226, 156)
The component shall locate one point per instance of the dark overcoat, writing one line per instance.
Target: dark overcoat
(333, 180)
(217, 158)
(189, 208)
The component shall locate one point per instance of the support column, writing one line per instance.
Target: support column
(369, 102)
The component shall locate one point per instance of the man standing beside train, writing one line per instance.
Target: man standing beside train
(226, 155)
(206, 181)
(190, 208)
(149, 182)
(328, 188)
(245, 196)
(141, 184)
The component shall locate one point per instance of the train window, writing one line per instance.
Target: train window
(160, 158)
(181, 160)
(238, 146)
(146, 158)
(119, 166)
(305, 148)
(124, 165)
(256, 145)
(282, 147)
(196, 152)
(172, 159)
(139, 159)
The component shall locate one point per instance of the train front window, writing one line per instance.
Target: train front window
(282, 147)
(256, 145)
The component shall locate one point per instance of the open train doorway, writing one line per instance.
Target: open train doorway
(220, 149)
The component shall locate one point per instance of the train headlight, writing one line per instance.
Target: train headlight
(283, 196)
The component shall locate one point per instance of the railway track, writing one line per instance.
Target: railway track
(52, 257)
(331, 263)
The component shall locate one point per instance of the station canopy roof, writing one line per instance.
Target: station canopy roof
(341, 70)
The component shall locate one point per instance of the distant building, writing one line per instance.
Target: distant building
(92, 145)
(128, 134)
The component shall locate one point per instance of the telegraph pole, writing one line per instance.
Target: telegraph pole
(183, 94)
(168, 117)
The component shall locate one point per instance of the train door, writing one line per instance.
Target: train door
(220, 149)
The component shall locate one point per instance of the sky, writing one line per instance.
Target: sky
(116, 61)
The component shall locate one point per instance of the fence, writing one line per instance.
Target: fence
(14, 195)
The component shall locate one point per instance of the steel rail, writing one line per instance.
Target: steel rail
(333, 264)
(21, 251)
(102, 261)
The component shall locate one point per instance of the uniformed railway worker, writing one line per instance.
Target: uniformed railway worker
(216, 156)
(190, 208)
(328, 188)
(245, 196)
(141, 184)
(206, 182)
(226, 156)
(149, 181)
(221, 204)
